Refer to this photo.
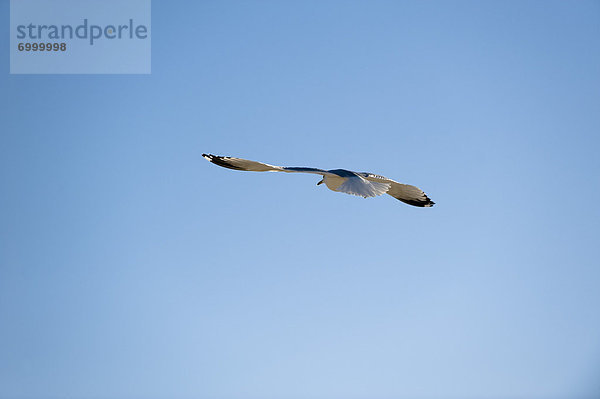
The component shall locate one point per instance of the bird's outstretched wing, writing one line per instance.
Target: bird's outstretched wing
(404, 192)
(253, 166)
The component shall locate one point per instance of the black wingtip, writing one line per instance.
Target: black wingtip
(426, 203)
(221, 161)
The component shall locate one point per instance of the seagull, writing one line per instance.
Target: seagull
(361, 184)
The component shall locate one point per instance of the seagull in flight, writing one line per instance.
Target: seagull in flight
(361, 184)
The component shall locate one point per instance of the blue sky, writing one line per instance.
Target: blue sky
(131, 267)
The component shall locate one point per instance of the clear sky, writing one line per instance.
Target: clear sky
(130, 267)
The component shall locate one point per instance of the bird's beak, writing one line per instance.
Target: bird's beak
(321, 182)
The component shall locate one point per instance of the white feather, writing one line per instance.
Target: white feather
(357, 185)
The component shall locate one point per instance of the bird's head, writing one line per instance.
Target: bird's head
(321, 182)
